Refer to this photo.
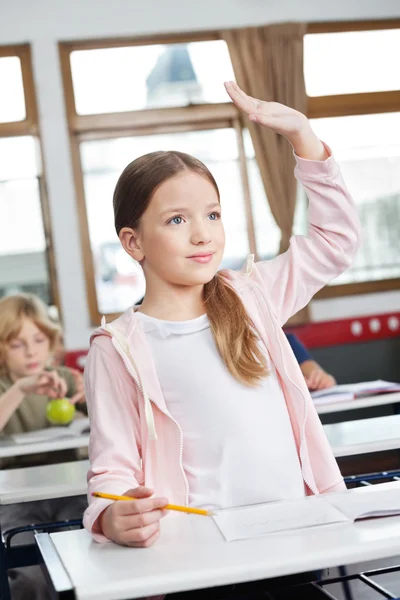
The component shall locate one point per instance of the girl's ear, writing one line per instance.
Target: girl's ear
(130, 241)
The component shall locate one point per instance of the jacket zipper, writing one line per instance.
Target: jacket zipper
(302, 432)
(136, 380)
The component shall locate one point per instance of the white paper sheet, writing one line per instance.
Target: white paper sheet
(263, 519)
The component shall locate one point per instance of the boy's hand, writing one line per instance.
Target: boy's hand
(79, 395)
(319, 379)
(46, 383)
(134, 523)
(290, 123)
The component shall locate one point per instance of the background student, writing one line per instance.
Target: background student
(27, 382)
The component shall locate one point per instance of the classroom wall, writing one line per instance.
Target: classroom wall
(44, 22)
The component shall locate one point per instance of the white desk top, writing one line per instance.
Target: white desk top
(191, 553)
(379, 400)
(10, 448)
(365, 435)
(42, 483)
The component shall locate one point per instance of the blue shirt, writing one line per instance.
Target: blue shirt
(299, 350)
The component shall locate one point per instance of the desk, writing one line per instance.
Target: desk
(367, 402)
(32, 484)
(10, 448)
(43, 483)
(191, 553)
(365, 435)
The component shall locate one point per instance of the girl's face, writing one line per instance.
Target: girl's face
(27, 353)
(181, 238)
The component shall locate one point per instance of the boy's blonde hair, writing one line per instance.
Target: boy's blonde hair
(13, 309)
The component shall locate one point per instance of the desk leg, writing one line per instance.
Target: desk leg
(346, 587)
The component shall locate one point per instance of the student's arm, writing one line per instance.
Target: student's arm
(291, 279)
(114, 448)
(299, 350)
(10, 400)
(315, 376)
(329, 248)
(45, 383)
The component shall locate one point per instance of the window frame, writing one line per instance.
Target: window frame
(136, 123)
(30, 127)
(150, 121)
(350, 105)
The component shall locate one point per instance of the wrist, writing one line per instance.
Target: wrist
(306, 144)
(102, 521)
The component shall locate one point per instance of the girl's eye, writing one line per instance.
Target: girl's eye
(176, 220)
(214, 216)
(40, 340)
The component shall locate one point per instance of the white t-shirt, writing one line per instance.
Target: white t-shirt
(238, 444)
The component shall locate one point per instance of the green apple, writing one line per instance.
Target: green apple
(60, 411)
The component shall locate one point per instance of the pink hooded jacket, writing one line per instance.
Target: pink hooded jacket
(135, 441)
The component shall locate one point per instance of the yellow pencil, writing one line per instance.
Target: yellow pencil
(186, 509)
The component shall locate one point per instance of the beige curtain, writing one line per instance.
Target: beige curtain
(268, 64)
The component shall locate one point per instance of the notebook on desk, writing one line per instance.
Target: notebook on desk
(352, 391)
(77, 427)
(274, 517)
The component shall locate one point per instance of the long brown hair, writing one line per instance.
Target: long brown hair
(231, 326)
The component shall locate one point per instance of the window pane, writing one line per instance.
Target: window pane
(19, 158)
(369, 157)
(351, 62)
(12, 100)
(267, 232)
(158, 76)
(119, 281)
(23, 257)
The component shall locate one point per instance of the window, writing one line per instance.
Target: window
(25, 253)
(354, 100)
(136, 97)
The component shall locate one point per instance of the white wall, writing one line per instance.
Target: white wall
(45, 22)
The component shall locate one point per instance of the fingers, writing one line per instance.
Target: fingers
(77, 398)
(143, 520)
(78, 378)
(141, 538)
(56, 386)
(327, 381)
(140, 492)
(314, 379)
(320, 380)
(140, 506)
(240, 99)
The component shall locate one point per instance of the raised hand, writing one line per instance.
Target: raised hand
(290, 123)
(280, 118)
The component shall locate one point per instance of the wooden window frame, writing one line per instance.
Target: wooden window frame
(30, 127)
(152, 121)
(349, 105)
(136, 123)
